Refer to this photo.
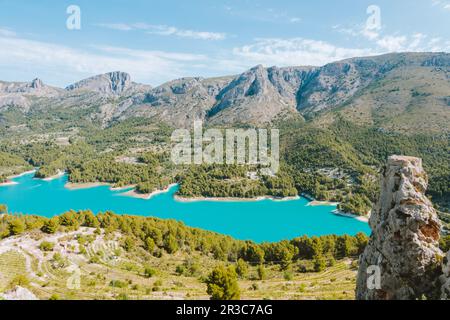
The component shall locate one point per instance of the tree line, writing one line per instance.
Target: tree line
(158, 236)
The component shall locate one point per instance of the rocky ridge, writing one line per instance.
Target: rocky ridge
(390, 91)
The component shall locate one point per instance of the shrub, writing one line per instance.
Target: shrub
(46, 246)
(51, 226)
(118, 284)
(16, 226)
(222, 284)
(288, 276)
(170, 244)
(319, 263)
(129, 243)
(149, 272)
(241, 268)
(261, 271)
(19, 280)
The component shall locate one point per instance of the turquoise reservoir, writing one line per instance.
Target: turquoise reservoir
(260, 221)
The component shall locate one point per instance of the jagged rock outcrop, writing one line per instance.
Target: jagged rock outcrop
(37, 84)
(21, 94)
(404, 245)
(111, 83)
(259, 95)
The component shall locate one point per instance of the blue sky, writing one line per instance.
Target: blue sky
(156, 41)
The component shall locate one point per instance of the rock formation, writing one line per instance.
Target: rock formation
(37, 84)
(260, 95)
(112, 83)
(403, 251)
(18, 293)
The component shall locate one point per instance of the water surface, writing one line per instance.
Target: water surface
(259, 221)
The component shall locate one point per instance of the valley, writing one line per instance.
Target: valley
(107, 137)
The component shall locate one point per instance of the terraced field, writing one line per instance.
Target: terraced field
(101, 269)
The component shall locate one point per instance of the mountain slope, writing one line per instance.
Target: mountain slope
(408, 93)
(180, 101)
(403, 92)
(259, 95)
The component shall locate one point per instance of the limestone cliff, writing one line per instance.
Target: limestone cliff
(404, 245)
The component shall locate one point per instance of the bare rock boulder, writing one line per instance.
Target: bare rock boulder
(18, 293)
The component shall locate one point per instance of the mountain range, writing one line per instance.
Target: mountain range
(407, 92)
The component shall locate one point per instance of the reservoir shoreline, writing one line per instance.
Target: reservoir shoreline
(244, 219)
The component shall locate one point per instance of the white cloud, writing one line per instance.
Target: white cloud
(169, 31)
(441, 3)
(5, 32)
(417, 42)
(383, 42)
(359, 30)
(164, 30)
(67, 64)
(392, 43)
(116, 26)
(295, 51)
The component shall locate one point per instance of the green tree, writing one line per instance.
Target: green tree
(241, 268)
(261, 271)
(16, 226)
(150, 244)
(222, 284)
(3, 208)
(129, 243)
(361, 242)
(90, 220)
(253, 253)
(170, 244)
(149, 271)
(51, 225)
(69, 219)
(319, 263)
(344, 246)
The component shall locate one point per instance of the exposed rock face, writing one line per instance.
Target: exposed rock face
(259, 95)
(19, 293)
(179, 102)
(404, 244)
(37, 84)
(112, 83)
(20, 94)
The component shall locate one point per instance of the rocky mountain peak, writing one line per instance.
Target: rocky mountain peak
(404, 246)
(119, 81)
(113, 83)
(37, 84)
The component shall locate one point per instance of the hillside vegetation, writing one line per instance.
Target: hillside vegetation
(127, 257)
